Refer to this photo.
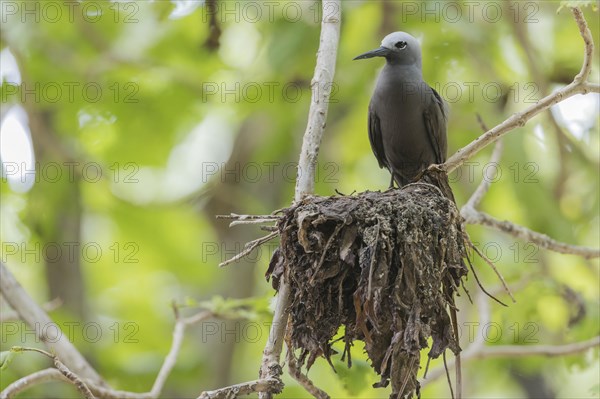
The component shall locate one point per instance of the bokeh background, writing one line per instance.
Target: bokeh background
(127, 126)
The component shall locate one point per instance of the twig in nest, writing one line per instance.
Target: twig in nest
(448, 376)
(249, 247)
(479, 282)
(491, 264)
(303, 379)
(457, 356)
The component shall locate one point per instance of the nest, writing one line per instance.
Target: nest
(385, 266)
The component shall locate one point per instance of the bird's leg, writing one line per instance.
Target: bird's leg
(391, 182)
(436, 168)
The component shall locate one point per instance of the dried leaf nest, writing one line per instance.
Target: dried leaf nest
(385, 266)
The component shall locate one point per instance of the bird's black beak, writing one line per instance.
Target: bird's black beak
(379, 52)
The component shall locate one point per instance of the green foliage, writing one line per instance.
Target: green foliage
(5, 358)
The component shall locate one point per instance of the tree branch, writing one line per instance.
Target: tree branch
(322, 83)
(469, 211)
(233, 391)
(513, 351)
(11, 315)
(485, 184)
(171, 358)
(249, 247)
(39, 377)
(68, 375)
(101, 390)
(302, 379)
(537, 350)
(473, 216)
(519, 119)
(38, 320)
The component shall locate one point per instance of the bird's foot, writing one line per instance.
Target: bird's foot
(437, 167)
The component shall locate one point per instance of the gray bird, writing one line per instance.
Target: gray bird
(407, 118)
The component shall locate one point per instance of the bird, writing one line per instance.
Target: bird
(407, 120)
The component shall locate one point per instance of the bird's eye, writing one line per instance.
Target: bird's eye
(400, 45)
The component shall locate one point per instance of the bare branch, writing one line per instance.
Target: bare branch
(513, 351)
(317, 116)
(578, 86)
(586, 34)
(321, 90)
(270, 362)
(11, 315)
(255, 221)
(108, 393)
(478, 349)
(248, 217)
(249, 247)
(38, 320)
(39, 377)
(252, 219)
(263, 385)
(498, 274)
(302, 379)
(476, 217)
(70, 377)
(485, 184)
(171, 357)
(538, 350)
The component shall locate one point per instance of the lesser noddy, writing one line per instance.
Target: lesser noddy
(407, 118)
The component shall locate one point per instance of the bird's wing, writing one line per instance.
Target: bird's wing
(376, 140)
(435, 123)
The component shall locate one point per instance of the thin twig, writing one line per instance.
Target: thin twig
(485, 184)
(34, 316)
(249, 247)
(479, 282)
(11, 315)
(513, 351)
(70, 376)
(247, 217)
(542, 240)
(448, 376)
(303, 379)
(586, 35)
(101, 391)
(457, 357)
(263, 385)
(491, 264)
(171, 358)
(253, 221)
(24, 383)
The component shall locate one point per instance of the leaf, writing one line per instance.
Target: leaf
(7, 356)
(5, 359)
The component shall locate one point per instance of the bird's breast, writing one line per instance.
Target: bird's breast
(400, 106)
